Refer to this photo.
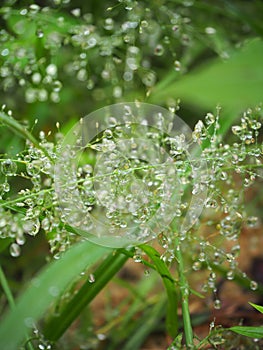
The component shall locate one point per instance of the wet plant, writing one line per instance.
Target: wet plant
(131, 182)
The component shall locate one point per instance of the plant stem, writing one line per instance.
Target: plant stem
(169, 284)
(184, 288)
(20, 130)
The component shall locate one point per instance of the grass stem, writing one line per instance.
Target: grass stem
(6, 289)
(184, 289)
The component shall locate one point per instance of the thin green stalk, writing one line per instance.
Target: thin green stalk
(169, 284)
(20, 130)
(184, 288)
(6, 289)
(243, 281)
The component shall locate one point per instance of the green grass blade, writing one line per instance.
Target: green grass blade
(235, 84)
(252, 332)
(6, 289)
(257, 307)
(148, 322)
(130, 322)
(172, 305)
(57, 325)
(44, 289)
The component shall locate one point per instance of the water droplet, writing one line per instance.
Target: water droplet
(5, 52)
(54, 97)
(212, 325)
(117, 92)
(137, 258)
(36, 78)
(51, 70)
(128, 75)
(76, 12)
(254, 124)
(91, 278)
(30, 95)
(53, 290)
(163, 240)
(200, 132)
(101, 336)
(237, 130)
(33, 168)
(210, 30)
(223, 176)
(196, 266)
(8, 167)
(2, 222)
(5, 187)
(177, 65)
(202, 257)
(108, 24)
(31, 227)
(20, 239)
(15, 250)
(34, 8)
(39, 33)
(42, 95)
(87, 168)
(29, 322)
(211, 203)
(57, 85)
(45, 224)
(235, 250)
(253, 285)
(230, 275)
(159, 50)
(209, 119)
(149, 79)
(82, 75)
(217, 304)
(23, 12)
(90, 84)
(108, 133)
(252, 221)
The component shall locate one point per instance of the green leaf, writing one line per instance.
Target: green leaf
(57, 325)
(257, 307)
(235, 84)
(171, 315)
(252, 332)
(44, 289)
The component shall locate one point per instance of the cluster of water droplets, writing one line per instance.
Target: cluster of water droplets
(141, 165)
(127, 174)
(32, 207)
(232, 169)
(132, 180)
(123, 49)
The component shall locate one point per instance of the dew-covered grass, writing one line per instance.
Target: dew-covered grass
(130, 173)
